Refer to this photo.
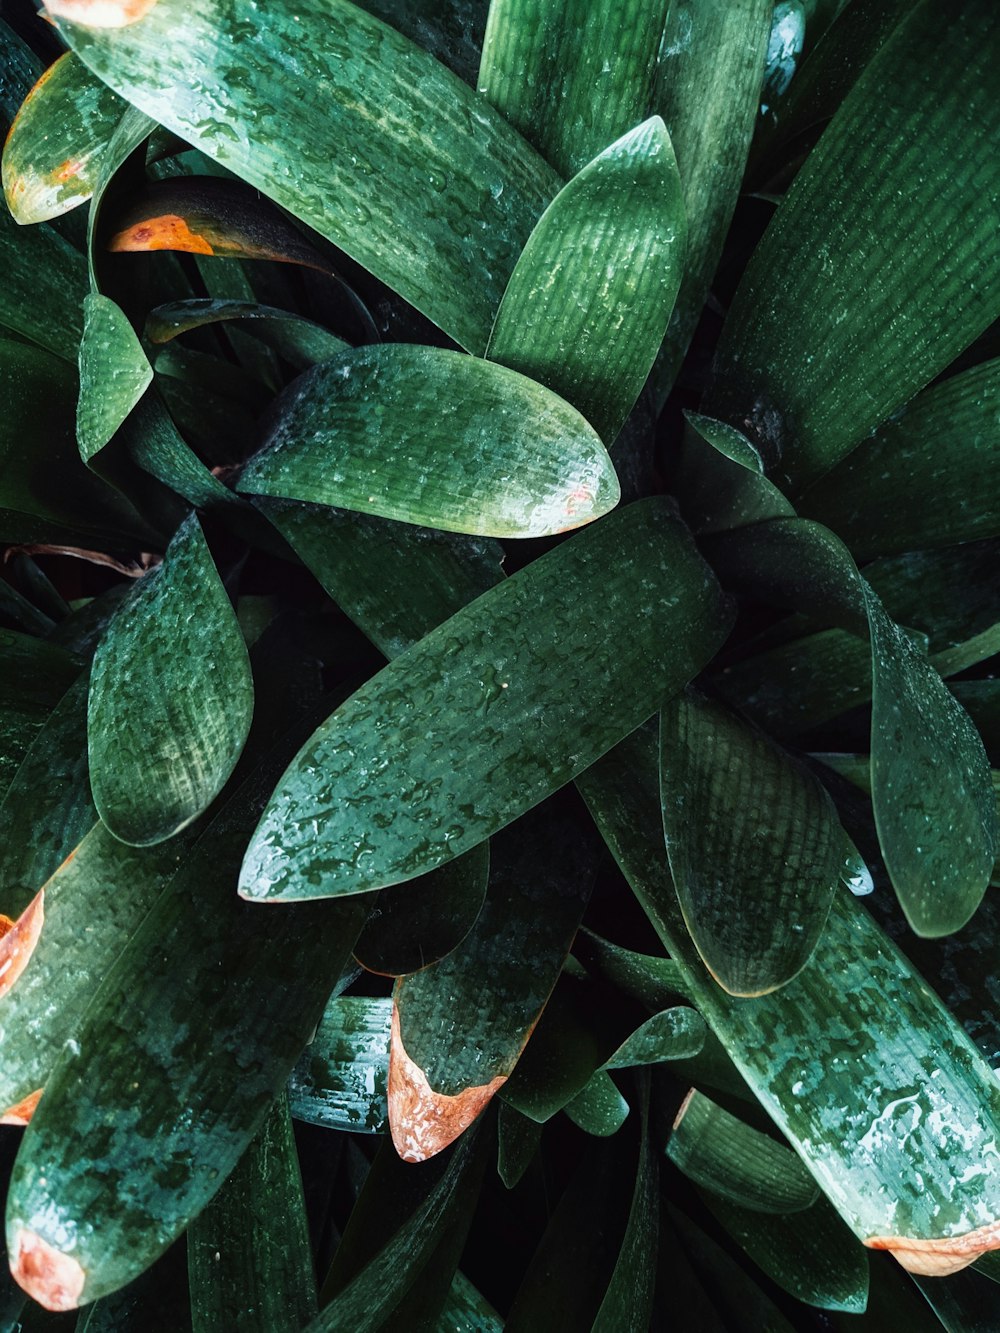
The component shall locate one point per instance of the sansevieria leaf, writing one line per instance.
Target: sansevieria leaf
(438, 438)
(588, 302)
(586, 641)
(170, 697)
(883, 260)
(50, 159)
(307, 102)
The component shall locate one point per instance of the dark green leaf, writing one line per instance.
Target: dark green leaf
(171, 697)
(544, 644)
(672, 1034)
(436, 438)
(340, 1080)
(298, 340)
(588, 302)
(598, 1108)
(518, 1138)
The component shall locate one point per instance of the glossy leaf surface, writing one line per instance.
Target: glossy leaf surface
(170, 697)
(290, 334)
(481, 680)
(372, 431)
(51, 154)
(306, 123)
(886, 241)
(754, 842)
(588, 302)
(340, 1079)
(114, 373)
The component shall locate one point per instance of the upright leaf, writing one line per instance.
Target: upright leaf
(414, 747)
(114, 373)
(886, 241)
(305, 102)
(170, 697)
(340, 1080)
(588, 302)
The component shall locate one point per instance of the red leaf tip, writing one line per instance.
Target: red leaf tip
(53, 1279)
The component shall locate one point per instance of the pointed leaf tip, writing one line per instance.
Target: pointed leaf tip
(18, 941)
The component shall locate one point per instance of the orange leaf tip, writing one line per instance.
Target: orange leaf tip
(938, 1258)
(18, 940)
(21, 1113)
(424, 1122)
(168, 232)
(53, 1279)
(99, 13)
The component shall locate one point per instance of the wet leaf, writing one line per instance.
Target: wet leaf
(297, 339)
(340, 1079)
(114, 374)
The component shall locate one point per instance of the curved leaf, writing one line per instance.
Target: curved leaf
(340, 1079)
(437, 438)
(170, 697)
(297, 339)
(413, 747)
(330, 128)
(51, 156)
(588, 302)
(886, 241)
(114, 373)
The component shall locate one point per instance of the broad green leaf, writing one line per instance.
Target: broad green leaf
(720, 483)
(397, 582)
(114, 374)
(926, 478)
(725, 1155)
(468, 1311)
(305, 102)
(711, 63)
(47, 808)
(413, 926)
(654, 982)
(156, 445)
(598, 1108)
(588, 302)
(132, 131)
(383, 1283)
(46, 493)
(628, 1301)
(451, 30)
(672, 1034)
(571, 78)
(21, 71)
(866, 1074)
(460, 1025)
(886, 240)
(414, 746)
(34, 676)
(370, 431)
(810, 1254)
(729, 441)
(210, 215)
(53, 148)
(175, 1063)
(298, 340)
(44, 282)
(171, 697)
(88, 911)
(340, 1079)
(249, 1261)
(755, 846)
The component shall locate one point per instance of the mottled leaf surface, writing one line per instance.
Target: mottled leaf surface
(114, 373)
(340, 1079)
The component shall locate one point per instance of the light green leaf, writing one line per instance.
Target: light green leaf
(305, 102)
(114, 374)
(886, 241)
(436, 438)
(672, 1034)
(588, 302)
(340, 1079)
(170, 697)
(414, 746)
(50, 159)
(598, 1108)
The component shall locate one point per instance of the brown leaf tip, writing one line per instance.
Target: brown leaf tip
(100, 13)
(21, 1113)
(53, 1279)
(17, 941)
(938, 1258)
(423, 1122)
(169, 232)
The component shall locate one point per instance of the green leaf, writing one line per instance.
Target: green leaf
(218, 1000)
(171, 697)
(44, 282)
(413, 926)
(728, 1157)
(729, 441)
(131, 133)
(755, 846)
(395, 581)
(88, 910)
(157, 446)
(896, 1130)
(518, 1138)
(722, 487)
(22, 70)
(925, 478)
(598, 1108)
(468, 1311)
(460, 1025)
(306, 111)
(810, 1254)
(298, 340)
(547, 643)
(672, 1034)
(710, 68)
(886, 240)
(451, 30)
(53, 148)
(735, 1296)
(588, 302)
(239, 1276)
(368, 431)
(47, 808)
(34, 677)
(571, 79)
(340, 1079)
(964, 1303)
(114, 374)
